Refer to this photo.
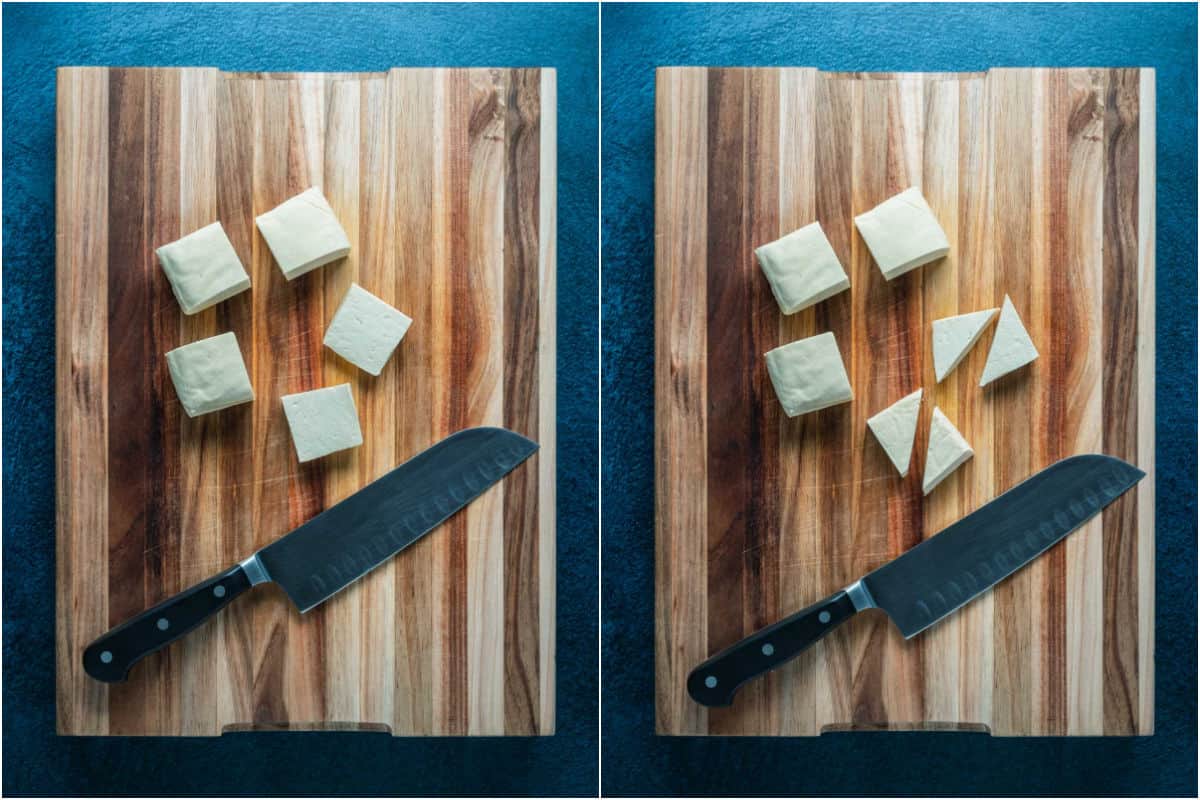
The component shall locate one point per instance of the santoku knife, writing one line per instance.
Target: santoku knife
(334, 548)
(938, 576)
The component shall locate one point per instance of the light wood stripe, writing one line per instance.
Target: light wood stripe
(201, 653)
(1078, 355)
(802, 684)
(345, 471)
(81, 319)
(412, 95)
(483, 351)
(939, 183)
(975, 262)
(547, 403)
(681, 243)
(1145, 383)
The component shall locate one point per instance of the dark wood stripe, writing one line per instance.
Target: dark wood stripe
(237, 110)
(1120, 397)
(521, 210)
(731, 404)
(1012, 107)
(130, 440)
(462, 306)
(833, 432)
(1066, 321)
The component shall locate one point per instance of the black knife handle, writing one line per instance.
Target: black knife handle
(714, 682)
(110, 657)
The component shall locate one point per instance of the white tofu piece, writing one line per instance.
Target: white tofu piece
(303, 233)
(896, 427)
(902, 233)
(1011, 346)
(210, 375)
(948, 451)
(365, 330)
(802, 268)
(953, 338)
(203, 268)
(322, 421)
(809, 375)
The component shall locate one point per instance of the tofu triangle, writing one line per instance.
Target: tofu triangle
(953, 338)
(1011, 347)
(948, 450)
(896, 427)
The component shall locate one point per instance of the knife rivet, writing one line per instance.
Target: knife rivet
(711, 682)
(823, 616)
(768, 649)
(219, 591)
(163, 624)
(106, 657)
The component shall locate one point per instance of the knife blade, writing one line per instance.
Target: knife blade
(333, 549)
(938, 576)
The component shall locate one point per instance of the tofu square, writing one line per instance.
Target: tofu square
(210, 374)
(303, 233)
(902, 233)
(802, 268)
(365, 330)
(203, 268)
(322, 421)
(809, 375)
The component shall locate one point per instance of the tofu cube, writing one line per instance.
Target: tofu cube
(809, 375)
(802, 268)
(210, 375)
(303, 233)
(322, 421)
(902, 233)
(203, 268)
(365, 330)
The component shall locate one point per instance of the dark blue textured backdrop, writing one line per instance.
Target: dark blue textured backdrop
(273, 37)
(875, 37)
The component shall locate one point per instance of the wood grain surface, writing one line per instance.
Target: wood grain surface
(1044, 182)
(444, 180)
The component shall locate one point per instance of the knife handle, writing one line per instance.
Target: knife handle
(110, 657)
(714, 682)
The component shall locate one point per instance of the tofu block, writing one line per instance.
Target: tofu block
(203, 268)
(802, 268)
(809, 375)
(210, 375)
(902, 233)
(1011, 346)
(365, 330)
(303, 233)
(896, 427)
(322, 421)
(948, 451)
(953, 338)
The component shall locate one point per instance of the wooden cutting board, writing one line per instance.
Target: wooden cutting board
(444, 180)
(1044, 182)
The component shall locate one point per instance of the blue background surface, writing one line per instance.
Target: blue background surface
(876, 37)
(269, 38)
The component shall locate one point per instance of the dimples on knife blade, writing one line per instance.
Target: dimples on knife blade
(950, 569)
(340, 545)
